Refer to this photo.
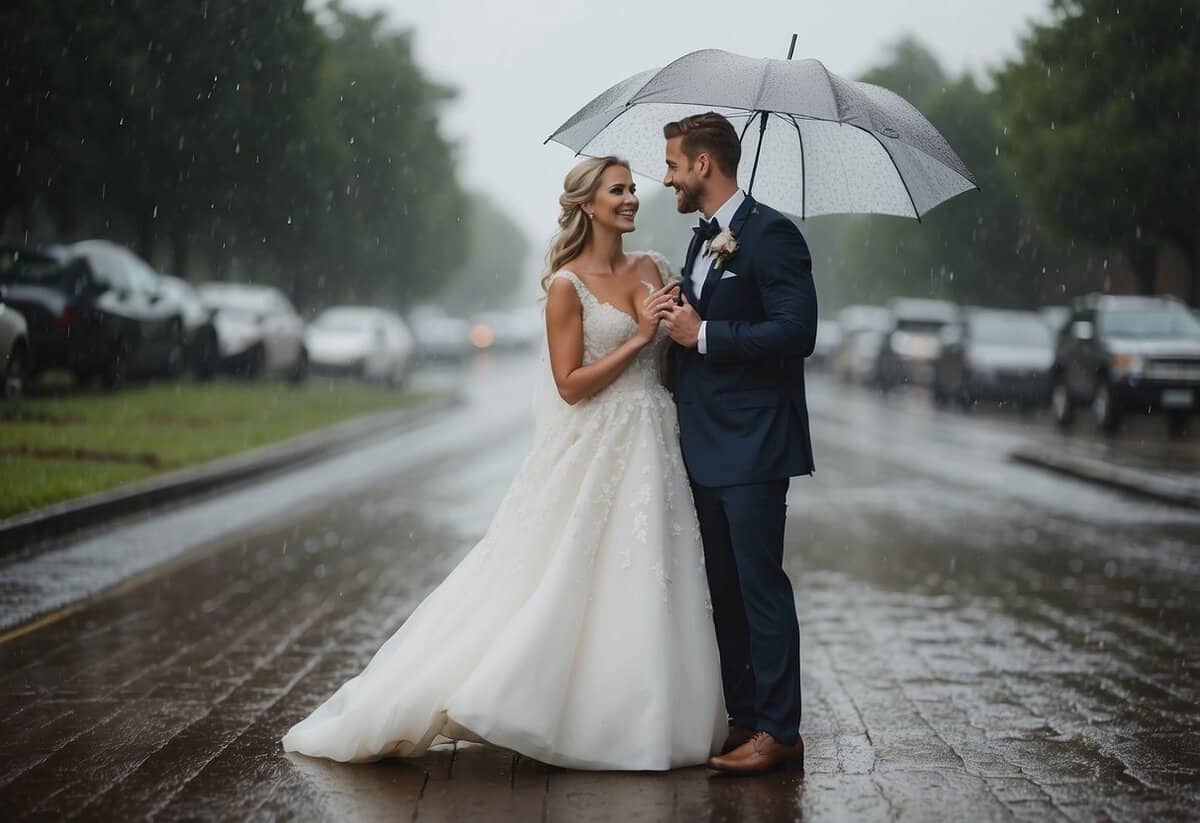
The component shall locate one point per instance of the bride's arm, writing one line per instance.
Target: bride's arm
(564, 332)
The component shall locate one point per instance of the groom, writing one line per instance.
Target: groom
(747, 320)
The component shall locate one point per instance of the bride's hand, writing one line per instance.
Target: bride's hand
(653, 309)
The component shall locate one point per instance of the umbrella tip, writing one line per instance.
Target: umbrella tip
(792, 48)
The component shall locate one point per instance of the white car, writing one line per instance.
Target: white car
(507, 330)
(439, 336)
(361, 341)
(258, 330)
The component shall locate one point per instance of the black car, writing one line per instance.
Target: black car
(93, 308)
(1127, 354)
(995, 355)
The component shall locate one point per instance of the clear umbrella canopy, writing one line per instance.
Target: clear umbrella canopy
(812, 142)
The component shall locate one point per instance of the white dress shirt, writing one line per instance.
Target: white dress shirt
(699, 270)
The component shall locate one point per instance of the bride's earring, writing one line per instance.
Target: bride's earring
(589, 215)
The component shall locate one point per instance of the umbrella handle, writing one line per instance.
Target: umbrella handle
(762, 129)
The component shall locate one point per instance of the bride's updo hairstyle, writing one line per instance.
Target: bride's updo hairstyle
(579, 188)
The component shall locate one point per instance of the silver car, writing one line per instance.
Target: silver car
(258, 330)
(361, 341)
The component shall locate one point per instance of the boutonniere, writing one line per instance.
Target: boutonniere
(724, 245)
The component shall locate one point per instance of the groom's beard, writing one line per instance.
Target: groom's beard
(686, 200)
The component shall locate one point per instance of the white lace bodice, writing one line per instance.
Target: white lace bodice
(605, 327)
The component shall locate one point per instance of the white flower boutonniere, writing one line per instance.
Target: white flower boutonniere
(723, 246)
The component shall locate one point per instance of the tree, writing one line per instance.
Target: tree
(496, 261)
(1102, 112)
(395, 212)
(243, 133)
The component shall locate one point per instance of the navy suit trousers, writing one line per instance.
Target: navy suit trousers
(753, 606)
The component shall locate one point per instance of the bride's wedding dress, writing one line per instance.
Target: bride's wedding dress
(578, 631)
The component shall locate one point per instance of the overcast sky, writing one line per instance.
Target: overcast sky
(522, 67)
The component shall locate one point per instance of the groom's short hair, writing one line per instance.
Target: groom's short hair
(710, 133)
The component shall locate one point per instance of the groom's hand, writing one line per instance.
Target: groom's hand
(683, 323)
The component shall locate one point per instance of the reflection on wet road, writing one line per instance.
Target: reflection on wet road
(981, 639)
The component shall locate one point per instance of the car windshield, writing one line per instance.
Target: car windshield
(919, 326)
(1151, 323)
(226, 311)
(343, 322)
(20, 267)
(1007, 330)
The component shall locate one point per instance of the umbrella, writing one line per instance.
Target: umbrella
(814, 142)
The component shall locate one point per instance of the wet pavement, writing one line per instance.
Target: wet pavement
(981, 639)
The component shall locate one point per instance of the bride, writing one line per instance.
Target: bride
(578, 631)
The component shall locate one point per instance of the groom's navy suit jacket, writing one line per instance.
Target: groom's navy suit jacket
(743, 417)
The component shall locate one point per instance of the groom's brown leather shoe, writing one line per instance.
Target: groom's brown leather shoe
(759, 754)
(737, 736)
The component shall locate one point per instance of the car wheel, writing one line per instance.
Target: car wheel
(115, 371)
(1104, 407)
(176, 354)
(255, 364)
(1060, 403)
(204, 364)
(1177, 423)
(16, 373)
(299, 372)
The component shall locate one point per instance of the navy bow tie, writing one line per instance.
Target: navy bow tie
(707, 229)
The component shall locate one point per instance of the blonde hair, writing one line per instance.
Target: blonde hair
(579, 187)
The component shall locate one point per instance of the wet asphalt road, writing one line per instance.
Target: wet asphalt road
(980, 639)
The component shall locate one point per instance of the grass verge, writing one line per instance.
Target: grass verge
(72, 443)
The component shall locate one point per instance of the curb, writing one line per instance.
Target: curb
(1101, 473)
(22, 531)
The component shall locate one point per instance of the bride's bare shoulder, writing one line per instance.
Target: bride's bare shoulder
(654, 267)
(562, 293)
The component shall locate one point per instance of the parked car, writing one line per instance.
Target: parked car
(829, 335)
(997, 355)
(1055, 317)
(439, 336)
(259, 332)
(912, 343)
(863, 328)
(506, 331)
(1123, 354)
(361, 341)
(15, 356)
(201, 351)
(93, 308)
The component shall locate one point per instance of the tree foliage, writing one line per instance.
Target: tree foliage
(1102, 110)
(242, 139)
(497, 254)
